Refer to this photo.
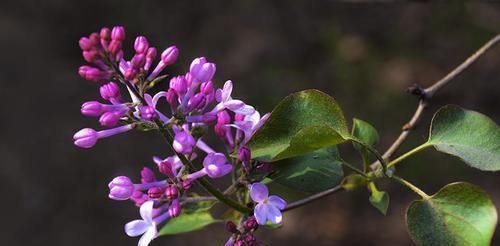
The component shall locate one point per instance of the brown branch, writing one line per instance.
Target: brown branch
(312, 198)
(427, 93)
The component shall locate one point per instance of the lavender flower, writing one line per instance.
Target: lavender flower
(87, 137)
(268, 208)
(223, 96)
(215, 165)
(121, 188)
(183, 142)
(202, 70)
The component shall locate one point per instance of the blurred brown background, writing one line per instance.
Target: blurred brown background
(365, 55)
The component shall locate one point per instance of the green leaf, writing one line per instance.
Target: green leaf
(367, 134)
(187, 222)
(458, 214)
(469, 135)
(303, 122)
(379, 199)
(310, 173)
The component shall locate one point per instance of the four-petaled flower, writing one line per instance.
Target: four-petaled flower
(268, 208)
(223, 96)
(147, 226)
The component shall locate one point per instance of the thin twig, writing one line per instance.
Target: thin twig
(427, 93)
(313, 198)
(199, 199)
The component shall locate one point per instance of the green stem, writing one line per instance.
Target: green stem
(407, 154)
(374, 152)
(355, 169)
(411, 186)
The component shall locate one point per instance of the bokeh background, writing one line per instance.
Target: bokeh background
(365, 55)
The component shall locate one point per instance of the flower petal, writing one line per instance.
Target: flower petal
(260, 212)
(136, 227)
(277, 202)
(258, 192)
(146, 211)
(226, 91)
(274, 214)
(148, 236)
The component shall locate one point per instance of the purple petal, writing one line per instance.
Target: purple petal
(258, 192)
(148, 236)
(274, 214)
(146, 211)
(260, 212)
(136, 227)
(277, 202)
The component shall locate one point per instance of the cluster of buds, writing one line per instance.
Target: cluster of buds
(242, 235)
(195, 106)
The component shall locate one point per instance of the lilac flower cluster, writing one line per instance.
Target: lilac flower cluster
(195, 105)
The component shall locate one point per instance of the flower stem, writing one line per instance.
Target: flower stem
(411, 186)
(407, 154)
(374, 152)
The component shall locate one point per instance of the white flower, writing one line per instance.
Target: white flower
(145, 227)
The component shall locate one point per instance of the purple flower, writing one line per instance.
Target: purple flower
(250, 124)
(109, 119)
(118, 33)
(168, 57)
(147, 112)
(109, 91)
(175, 208)
(121, 188)
(147, 226)
(202, 70)
(171, 192)
(141, 44)
(183, 142)
(87, 137)
(268, 208)
(223, 96)
(179, 84)
(215, 165)
(147, 175)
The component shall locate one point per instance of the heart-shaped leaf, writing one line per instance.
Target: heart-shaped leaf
(303, 122)
(379, 199)
(458, 214)
(469, 135)
(367, 134)
(310, 173)
(187, 222)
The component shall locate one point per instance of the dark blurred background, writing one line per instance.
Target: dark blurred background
(365, 55)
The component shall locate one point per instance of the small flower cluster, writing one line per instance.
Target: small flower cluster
(195, 106)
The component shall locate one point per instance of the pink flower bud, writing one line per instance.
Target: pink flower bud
(154, 193)
(130, 74)
(95, 40)
(171, 192)
(115, 47)
(169, 55)
(179, 84)
(196, 102)
(172, 98)
(109, 119)
(109, 91)
(105, 34)
(90, 56)
(118, 33)
(202, 70)
(121, 188)
(175, 208)
(147, 176)
(244, 154)
(86, 138)
(141, 45)
(166, 168)
(92, 108)
(85, 44)
(223, 117)
(186, 184)
(138, 61)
